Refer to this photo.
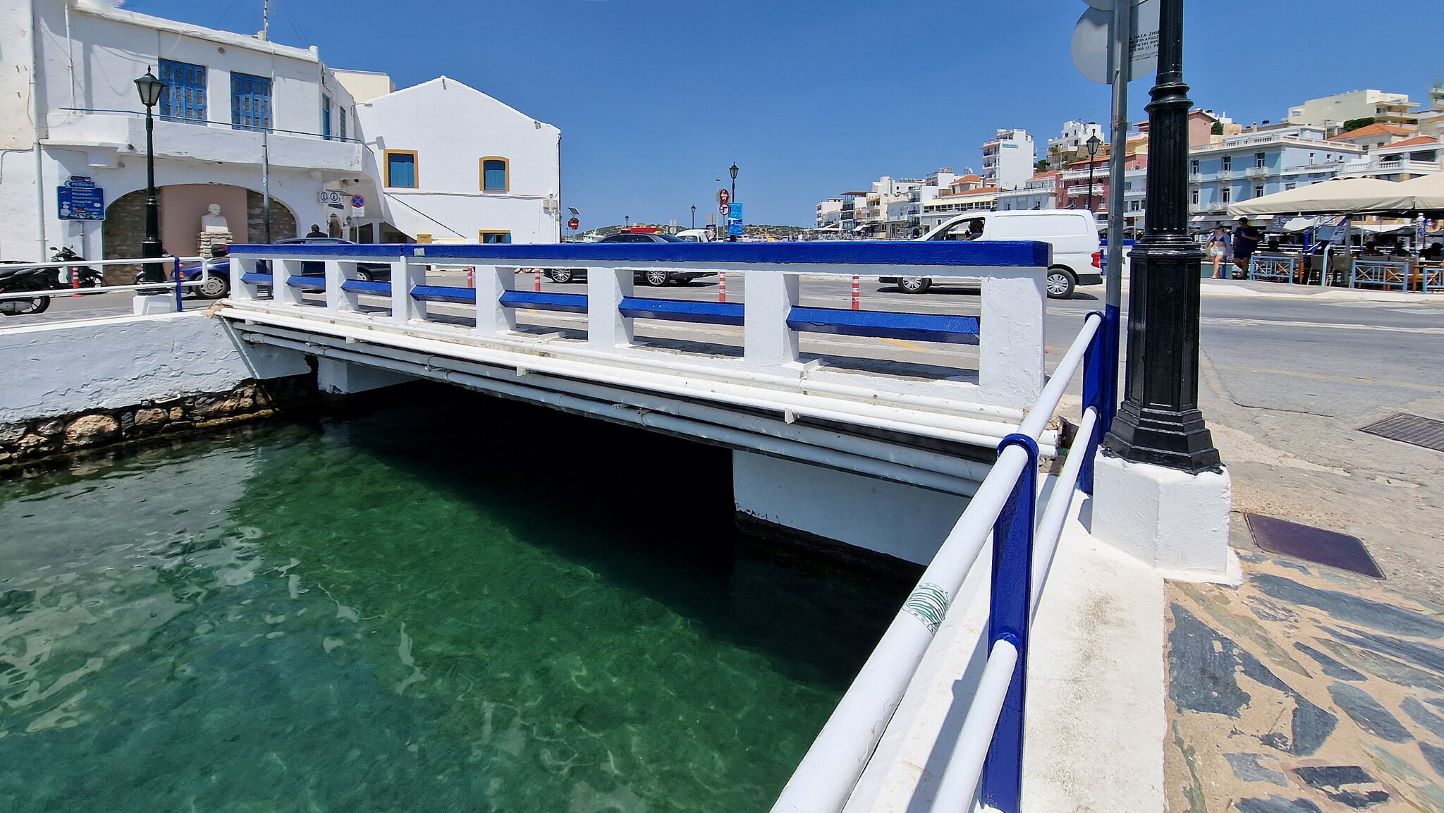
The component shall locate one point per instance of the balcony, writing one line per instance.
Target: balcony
(1256, 172)
(1359, 169)
(123, 133)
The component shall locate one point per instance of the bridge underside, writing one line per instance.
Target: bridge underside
(803, 461)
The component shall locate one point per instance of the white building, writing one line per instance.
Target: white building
(1008, 159)
(1330, 112)
(1072, 144)
(457, 166)
(69, 110)
(1038, 192)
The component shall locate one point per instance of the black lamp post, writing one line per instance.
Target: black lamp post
(1093, 144)
(732, 170)
(150, 88)
(694, 215)
(1159, 421)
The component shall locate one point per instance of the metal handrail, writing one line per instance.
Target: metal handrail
(224, 124)
(178, 283)
(1002, 507)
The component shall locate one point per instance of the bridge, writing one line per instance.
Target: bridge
(808, 439)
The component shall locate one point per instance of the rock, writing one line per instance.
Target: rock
(32, 444)
(176, 413)
(12, 434)
(50, 428)
(150, 418)
(216, 407)
(1368, 713)
(90, 430)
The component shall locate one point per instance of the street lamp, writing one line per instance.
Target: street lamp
(626, 221)
(732, 170)
(150, 88)
(1094, 142)
(694, 215)
(1159, 421)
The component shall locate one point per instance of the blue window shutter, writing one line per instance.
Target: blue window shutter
(184, 97)
(250, 102)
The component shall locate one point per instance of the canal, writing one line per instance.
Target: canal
(436, 601)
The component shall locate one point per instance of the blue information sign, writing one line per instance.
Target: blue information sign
(734, 220)
(80, 199)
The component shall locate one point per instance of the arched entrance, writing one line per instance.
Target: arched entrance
(181, 208)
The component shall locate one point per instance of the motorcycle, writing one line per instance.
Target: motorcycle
(16, 278)
(73, 276)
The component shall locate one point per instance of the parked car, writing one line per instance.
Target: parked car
(655, 277)
(1077, 258)
(695, 236)
(218, 284)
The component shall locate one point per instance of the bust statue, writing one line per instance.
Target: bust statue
(212, 220)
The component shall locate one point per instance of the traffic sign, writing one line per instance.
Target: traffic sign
(574, 224)
(358, 201)
(80, 199)
(1093, 37)
(723, 197)
(722, 210)
(734, 219)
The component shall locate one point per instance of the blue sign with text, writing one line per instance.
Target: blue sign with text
(734, 220)
(80, 199)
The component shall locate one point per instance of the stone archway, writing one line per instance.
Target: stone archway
(124, 226)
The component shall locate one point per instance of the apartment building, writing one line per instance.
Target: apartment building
(1330, 112)
(1008, 158)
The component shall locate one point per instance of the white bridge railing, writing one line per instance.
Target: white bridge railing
(347, 283)
(177, 275)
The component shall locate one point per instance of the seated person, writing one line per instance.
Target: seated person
(1434, 252)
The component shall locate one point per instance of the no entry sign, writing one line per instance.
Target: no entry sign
(723, 197)
(574, 224)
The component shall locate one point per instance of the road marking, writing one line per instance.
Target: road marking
(905, 344)
(1320, 325)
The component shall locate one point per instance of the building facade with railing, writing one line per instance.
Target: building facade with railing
(1262, 162)
(71, 119)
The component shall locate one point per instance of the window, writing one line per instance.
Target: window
(495, 236)
(1227, 163)
(495, 174)
(1258, 160)
(401, 169)
(1193, 197)
(326, 116)
(1135, 205)
(341, 116)
(250, 102)
(1258, 190)
(1288, 186)
(1227, 194)
(1193, 167)
(184, 97)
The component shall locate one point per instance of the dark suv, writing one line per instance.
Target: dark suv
(656, 277)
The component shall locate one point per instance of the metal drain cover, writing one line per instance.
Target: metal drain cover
(1406, 428)
(1312, 544)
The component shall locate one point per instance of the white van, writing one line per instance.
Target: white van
(1072, 233)
(694, 236)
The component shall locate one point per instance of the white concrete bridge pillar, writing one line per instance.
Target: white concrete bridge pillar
(607, 328)
(767, 339)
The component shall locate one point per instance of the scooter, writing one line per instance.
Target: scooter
(17, 277)
(65, 277)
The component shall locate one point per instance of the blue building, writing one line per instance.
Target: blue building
(1260, 162)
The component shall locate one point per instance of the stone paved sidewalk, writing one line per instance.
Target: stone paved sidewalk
(1305, 689)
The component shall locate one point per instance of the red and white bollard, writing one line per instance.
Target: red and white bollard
(470, 277)
(538, 279)
(722, 287)
(856, 293)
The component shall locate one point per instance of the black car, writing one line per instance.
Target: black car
(656, 278)
(218, 284)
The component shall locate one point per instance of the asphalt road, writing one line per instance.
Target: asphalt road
(1287, 382)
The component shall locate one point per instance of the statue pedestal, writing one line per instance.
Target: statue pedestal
(211, 239)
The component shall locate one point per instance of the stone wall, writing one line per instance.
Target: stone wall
(40, 438)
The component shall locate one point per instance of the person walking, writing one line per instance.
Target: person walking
(1220, 248)
(1245, 240)
(315, 231)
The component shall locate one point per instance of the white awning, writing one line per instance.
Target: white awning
(1338, 196)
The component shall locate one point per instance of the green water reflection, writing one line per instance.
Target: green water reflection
(362, 615)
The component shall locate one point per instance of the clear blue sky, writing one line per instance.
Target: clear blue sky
(810, 98)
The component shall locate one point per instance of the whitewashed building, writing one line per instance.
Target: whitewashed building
(70, 116)
(1008, 158)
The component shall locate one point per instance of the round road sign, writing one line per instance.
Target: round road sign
(723, 197)
(574, 224)
(358, 201)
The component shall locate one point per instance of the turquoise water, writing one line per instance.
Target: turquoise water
(370, 614)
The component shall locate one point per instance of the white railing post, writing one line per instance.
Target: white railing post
(767, 340)
(607, 328)
(282, 292)
(337, 297)
(239, 267)
(491, 282)
(404, 276)
(1011, 340)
